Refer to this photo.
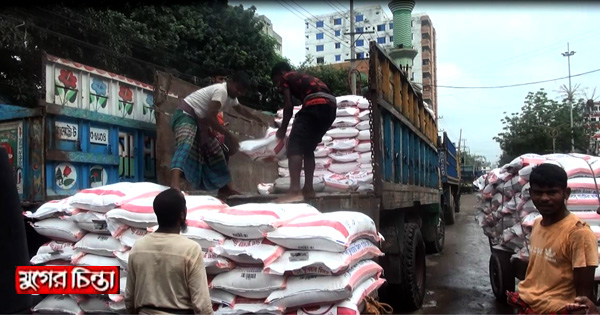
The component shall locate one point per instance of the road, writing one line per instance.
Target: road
(457, 279)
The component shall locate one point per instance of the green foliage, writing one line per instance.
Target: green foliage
(335, 78)
(531, 130)
(189, 41)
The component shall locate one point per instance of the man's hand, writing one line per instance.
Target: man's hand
(281, 133)
(582, 305)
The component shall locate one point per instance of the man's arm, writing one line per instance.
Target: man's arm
(584, 258)
(130, 290)
(198, 286)
(211, 119)
(288, 111)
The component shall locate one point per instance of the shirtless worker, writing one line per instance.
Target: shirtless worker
(310, 124)
(563, 250)
(199, 155)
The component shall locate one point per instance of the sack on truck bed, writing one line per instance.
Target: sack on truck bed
(347, 111)
(53, 250)
(267, 149)
(317, 290)
(51, 209)
(248, 282)
(349, 121)
(105, 198)
(296, 262)
(339, 183)
(58, 229)
(253, 220)
(351, 306)
(61, 304)
(332, 231)
(249, 252)
(215, 264)
(91, 221)
(200, 232)
(343, 132)
(243, 306)
(103, 245)
(343, 144)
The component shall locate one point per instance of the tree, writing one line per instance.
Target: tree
(335, 78)
(541, 118)
(475, 160)
(186, 40)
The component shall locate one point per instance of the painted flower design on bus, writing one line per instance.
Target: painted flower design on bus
(126, 100)
(65, 87)
(68, 78)
(65, 176)
(125, 94)
(149, 106)
(98, 94)
(99, 87)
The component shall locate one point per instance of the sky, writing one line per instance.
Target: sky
(481, 45)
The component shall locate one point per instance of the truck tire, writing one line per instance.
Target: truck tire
(437, 246)
(501, 276)
(449, 211)
(412, 288)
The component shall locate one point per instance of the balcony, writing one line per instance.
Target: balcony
(426, 29)
(425, 42)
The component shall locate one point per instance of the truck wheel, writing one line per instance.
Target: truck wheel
(501, 276)
(412, 290)
(448, 206)
(440, 236)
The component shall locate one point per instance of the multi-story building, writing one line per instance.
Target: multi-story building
(268, 29)
(326, 42)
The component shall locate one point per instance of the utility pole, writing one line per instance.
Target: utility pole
(568, 54)
(353, 50)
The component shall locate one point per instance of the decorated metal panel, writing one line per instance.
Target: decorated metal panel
(75, 85)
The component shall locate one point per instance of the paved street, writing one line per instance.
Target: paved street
(457, 279)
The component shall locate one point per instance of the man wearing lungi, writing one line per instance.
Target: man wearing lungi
(199, 156)
(310, 124)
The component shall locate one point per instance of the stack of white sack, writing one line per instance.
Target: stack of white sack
(290, 256)
(267, 149)
(78, 228)
(344, 157)
(507, 212)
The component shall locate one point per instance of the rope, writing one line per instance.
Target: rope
(375, 307)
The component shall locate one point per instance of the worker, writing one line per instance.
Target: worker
(310, 124)
(220, 76)
(199, 156)
(166, 271)
(563, 249)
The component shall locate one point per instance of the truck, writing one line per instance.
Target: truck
(450, 177)
(91, 128)
(410, 196)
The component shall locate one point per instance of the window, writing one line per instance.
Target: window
(337, 21)
(320, 60)
(319, 35)
(360, 43)
(338, 45)
(338, 57)
(319, 47)
(360, 55)
(319, 23)
(360, 18)
(360, 29)
(425, 62)
(411, 23)
(391, 26)
(337, 33)
(412, 36)
(391, 39)
(380, 40)
(381, 27)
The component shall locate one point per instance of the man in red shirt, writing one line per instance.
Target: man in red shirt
(310, 124)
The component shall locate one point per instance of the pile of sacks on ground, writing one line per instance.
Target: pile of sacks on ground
(506, 211)
(343, 159)
(259, 258)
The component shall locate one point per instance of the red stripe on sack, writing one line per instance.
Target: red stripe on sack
(249, 212)
(583, 202)
(333, 224)
(274, 256)
(279, 146)
(153, 193)
(586, 215)
(367, 269)
(137, 208)
(101, 192)
(198, 224)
